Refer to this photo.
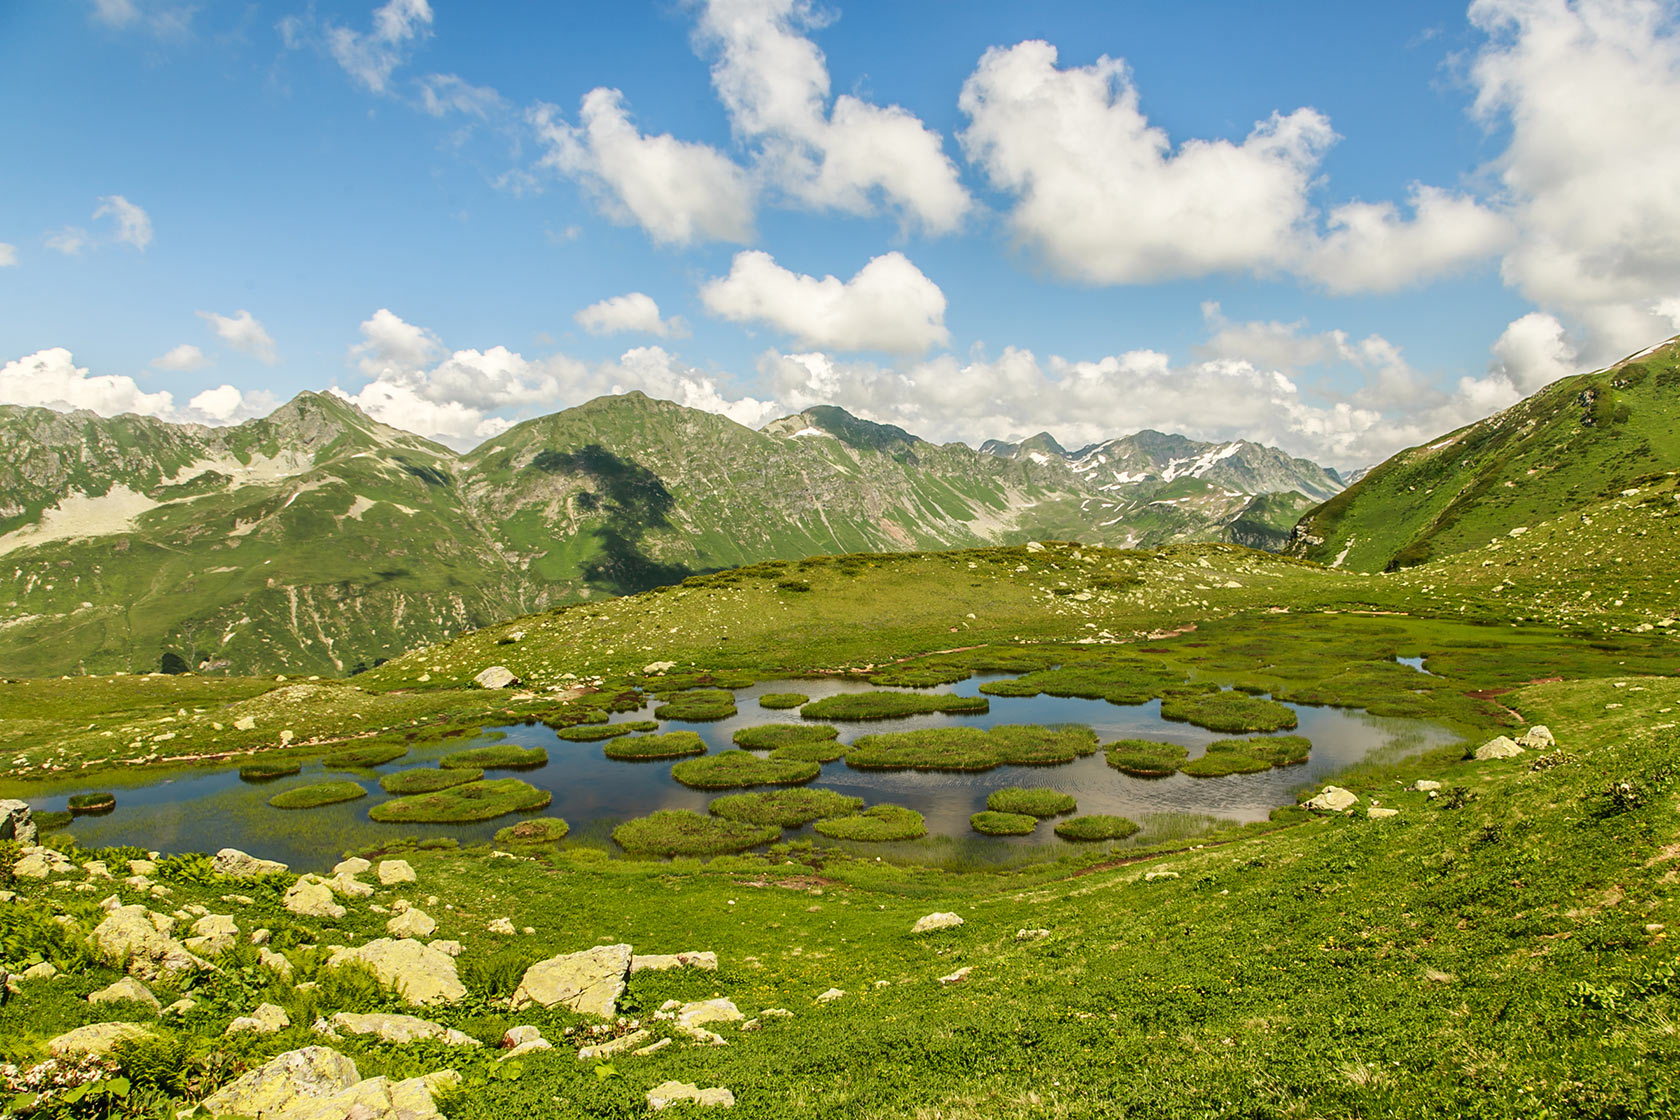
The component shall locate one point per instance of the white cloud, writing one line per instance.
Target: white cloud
(244, 333)
(115, 13)
(8, 255)
(371, 56)
(677, 191)
(1371, 248)
(162, 19)
(226, 404)
(1590, 92)
(70, 240)
(774, 83)
(181, 359)
(1533, 352)
(889, 305)
(633, 311)
(391, 345)
(134, 225)
(51, 379)
(441, 94)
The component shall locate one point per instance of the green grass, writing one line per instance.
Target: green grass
(1118, 679)
(91, 802)
(314, 796)
(1096, 826)
(697, 705)
(680, 832)
(463, 804)
(594, 732)
(268, 769)
(769, 736)
(876, 824)
(502, 756)
(1248, 756)
(740, 769)
(364, 758)
(971, 748)
(992, 822)
(672, 744)
(1146, 758)
(537, 830)
(890, 705)
(779, 701)
(1036, 802)
(1230, 712)
(427, 780)
(47, 820)
(784, 808)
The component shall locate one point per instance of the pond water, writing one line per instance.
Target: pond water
(205, 811)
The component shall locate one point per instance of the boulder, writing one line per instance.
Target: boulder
(213, 933)
(958, 976)
(40, 863)
(239, 865)
(519, 1036)
(589, 982)
(411, 923)
(659, 962)
(418, 973)
(297, 1077)
(502, 926)
(496, 676)
(394, 871)
(377, 1098)
(353, 866)
(1500, 747)
(94, 1039)
(668, 1093)
(46, 970)
(141, 938)
(930, 922)
(831, 995)
(398, 1028)
(1538, 738)
(16, 823)
(1031, 934)
(1424, 785)
(309, 897)
(1333, 799)
(616, 1046)
(1378, 813)
(708, 1011)
(127, 988)
(349, 886)
(274, 962)
(266, 1019)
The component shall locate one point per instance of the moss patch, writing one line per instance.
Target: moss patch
(680, 832)
(322, 793)
(502, 756)
(876, 823)
(475, 801)
(362, 758)
(891, 705)
(1039, 802)
(269, 769)
(1248, 756)
(426, 780)
(971, 748)
(1096, 826)
(785, 808)
(1231, 712)
(697, 705)
(537, 830)
(673, 744)
(1146, 758)
(778, 701)
(738, 769)
(993, 823)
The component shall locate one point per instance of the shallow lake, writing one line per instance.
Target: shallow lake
(204, 811)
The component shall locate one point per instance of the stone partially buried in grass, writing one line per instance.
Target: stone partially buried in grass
(876, 823)
(314, 796)
(363, 758)
(1230, 712)
(779, 701)
(537, 830)
(502, 756)
(992, 823)
(681, 832)
(475, 801)
(891, 705)
(738, 769)
(1248, 756)
(1038, 802)
(1146, 758)
(697, 705)
(426, 780)
(785, 808)
(1096, 826)
(672, 744)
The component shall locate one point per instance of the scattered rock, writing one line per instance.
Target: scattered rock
(659, 962)
(1436, 976)
(40, 863)
(1334, 799)
(266, 1019)
(127, 988)
(653, 668)
(519, 1036)
(418, 973)
(1031, 934)
(239, 865)
(831, 995)
(398, 1028)
(652, 1048)
(775, 1013)
(141, 938)
(589, 982)
(349, 886)
(1377, 813)
(95, 1038)
(16, 823)
(1501, 747)
(1151, 876)
(180, 1007)
(411, 923)
(502, 926)
(453, 948)
(617, 1046)
(393, 871)
(669, 1093)
(274, 962)
(309, 897)
(958, 976)
(931, 922)
(708, 1011)
(245, 723)
(213, 933)
(46, 970)
(295, 1078)
(496, 676)
(1424, 785)
(352, 867)
(142, 867)
(1538, 738)
(260, 936)
(97, 869)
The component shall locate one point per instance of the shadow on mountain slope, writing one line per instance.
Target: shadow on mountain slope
(634, 501)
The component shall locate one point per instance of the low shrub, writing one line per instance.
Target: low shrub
(91, 803)
(502, 756)
(769, 736)
(697, 705)
(876, 823)
(891, 705)
(426, 780)
(363, 758)
(269, 769)
(681, 832)
(1040, 802)
(1230, 712)
(971, 748)
(474, 801)
(738, 769)
(994, 823)
(1096, 826)
(314, 796)
(777, 701)
(673, 744)
(1146, 758)
(537, 830)
(785, 808)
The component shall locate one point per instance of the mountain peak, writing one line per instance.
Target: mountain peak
(865, 435)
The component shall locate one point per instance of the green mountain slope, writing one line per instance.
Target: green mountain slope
(1575, 441)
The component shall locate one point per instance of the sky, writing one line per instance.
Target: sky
(1340, 229)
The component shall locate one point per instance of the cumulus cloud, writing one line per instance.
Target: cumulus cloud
(181, 359)
(51, 379)
(226, 404)
(1104, 197)
(442, 94)
(8, 255)
(889, 305)
(1590, 92)
(389, 344)
(134, 225)
(1533, 352)
(70, 240)
(633, 311)
(371, 56)
(679, 192)
(855, 156)
(244, 333)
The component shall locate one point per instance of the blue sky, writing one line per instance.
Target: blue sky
(1341, 229)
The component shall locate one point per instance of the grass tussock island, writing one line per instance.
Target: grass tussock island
(82, 803)
(696, 705)
(740, 769)
(672, 744)
(1035, 802)
(771, 736)
(971, 748)
(1248, 756)
(784, 808)
(781, 701)
(269, 769)
(680, 832)
(890, 705)
(1096, 826)
(317, 795)
(991, 822)
(876, 824)
(593, 732)
(537, 830)
(501, 756)
(1232, 712)
(1146, 758)
(474, 801)
(364, 758)
(425, 780)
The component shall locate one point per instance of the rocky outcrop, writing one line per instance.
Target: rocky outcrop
(135, 935)
(41, 863)
(589, 982)
(128, 988)
(16, 822)
(394, 1028)
(95, 1038)
(293, 1080)
(310, 897)
(266, 1019)
(420, 974)
(1333, 799)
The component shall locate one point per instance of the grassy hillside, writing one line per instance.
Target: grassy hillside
(1576, 441)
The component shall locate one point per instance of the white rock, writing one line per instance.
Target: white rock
(1151, 876)
(1424, 785)
(496, 676)
(708, 1011)
(588, 982)
(668, 1093)
(1333, 799)
(941, 920)
(309, 897)
(266, 1019)
(237, 864)
(128, 988)
(616, 1046)
(418, 973)
(958, 976)
(831, 995)
(274, 962)
(1376, 812)
(353, 866)
(393, 871)
(400, 1028)
(519, 1036)
(1031, 934)
(411, 923)
(1500, 747)
(1538, 738)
